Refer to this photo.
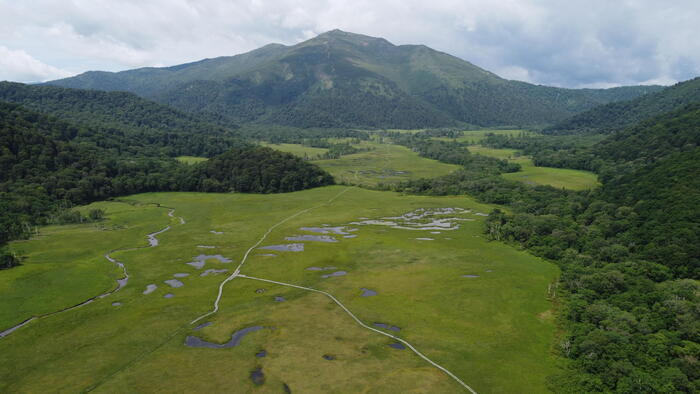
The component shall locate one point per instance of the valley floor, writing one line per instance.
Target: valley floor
(406, 265)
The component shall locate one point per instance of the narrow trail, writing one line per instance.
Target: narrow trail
(237, 274)
(237, 271)
(121, 282)
(340, 304)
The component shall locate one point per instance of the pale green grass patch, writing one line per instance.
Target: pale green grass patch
(557, 177)
(383, 163)
(191, 159)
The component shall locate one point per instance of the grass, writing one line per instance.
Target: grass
(492, 331)
(306, 152)
(529, 173)
(383, 163)
(191, 159)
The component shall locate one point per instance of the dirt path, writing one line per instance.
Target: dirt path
(237, 274)
(237, 271)
(329, 295)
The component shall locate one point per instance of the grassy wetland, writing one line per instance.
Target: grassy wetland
(478, 308)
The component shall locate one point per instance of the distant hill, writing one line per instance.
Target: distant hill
(126, 118)
(341, 79)
(619, 115)
(655, 138)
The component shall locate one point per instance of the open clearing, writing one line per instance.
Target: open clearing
(383, 163)
(477, 308)
(191, 159)
(557, 177)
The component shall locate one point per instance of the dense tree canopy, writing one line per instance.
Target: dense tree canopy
(47, 165)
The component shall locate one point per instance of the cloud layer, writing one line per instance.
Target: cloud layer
(594, 43)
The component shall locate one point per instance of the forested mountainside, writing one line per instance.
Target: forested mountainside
(125, 121)
(341, 79)
(47, 165)
(617, 116)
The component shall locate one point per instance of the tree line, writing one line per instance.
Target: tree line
(48, 165)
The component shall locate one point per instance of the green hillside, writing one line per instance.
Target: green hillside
(619, 115)
(341, 79)
(120, 120)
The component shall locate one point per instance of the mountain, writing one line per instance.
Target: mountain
(620, 115)
(341, 79)
(124, 120)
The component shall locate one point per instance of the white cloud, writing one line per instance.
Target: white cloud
(18, 65)
(573, 43)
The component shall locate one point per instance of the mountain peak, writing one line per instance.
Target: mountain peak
(374, 82)
(337, 34)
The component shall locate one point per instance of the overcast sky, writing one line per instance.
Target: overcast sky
(589, 43)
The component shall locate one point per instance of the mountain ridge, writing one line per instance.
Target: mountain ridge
(617, 116)
(341, 79)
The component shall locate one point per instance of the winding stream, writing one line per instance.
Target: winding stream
(121, 282)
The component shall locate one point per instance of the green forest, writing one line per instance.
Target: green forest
(48, 165)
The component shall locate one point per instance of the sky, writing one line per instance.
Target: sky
(573, 43)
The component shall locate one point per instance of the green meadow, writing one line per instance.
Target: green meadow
(493, 327)
(529, 173)
(383, 163)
